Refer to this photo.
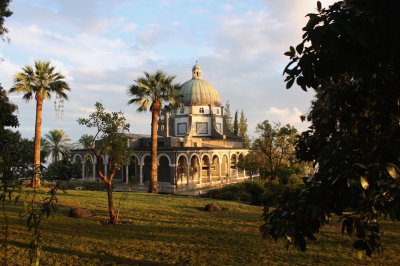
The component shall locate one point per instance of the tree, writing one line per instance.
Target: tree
(40, 82)
(4, 13)
(349, 56)
(236, 124)
(58, 143)
(85, 140)
(152, 92)
(110, 146)
(243, 130)
(228, 116)
(275, 148)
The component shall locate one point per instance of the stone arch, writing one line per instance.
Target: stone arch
(234, 161)
(194, 169)
(88, 155)
(184, 155)
(215, 167)
(163, 154)
(76, 156)
(181, 170)
(133, 168)
(225, 166)
(205, 168)
(164, 171)
(146, 162)
(144, 157)
(88, 166)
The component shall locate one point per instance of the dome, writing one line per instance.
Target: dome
(198, 91)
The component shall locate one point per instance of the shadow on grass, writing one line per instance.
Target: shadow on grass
(106, 258)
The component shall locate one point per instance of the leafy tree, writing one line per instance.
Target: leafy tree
(275, 148)
(40, 81)
(228, 116)
(152, 91)
(64, 169)
(236, 124)
(243, 130)
(7, 158)
(4, 13)
(85, 140)
(109, 146)
(349, 56)
(58, 143)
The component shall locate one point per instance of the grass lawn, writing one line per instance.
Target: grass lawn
(170, 230)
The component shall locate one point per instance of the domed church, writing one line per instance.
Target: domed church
(196, 150)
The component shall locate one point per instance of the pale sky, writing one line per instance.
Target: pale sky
(103, 46)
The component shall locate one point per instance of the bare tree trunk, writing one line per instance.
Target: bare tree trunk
(154, 163)
(113, 218)
(38, 132)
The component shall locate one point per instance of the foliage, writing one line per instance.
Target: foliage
(243, 130)
(57, 142)
(8, 156)
(228, 116)
(40, 81)
(151, 92)
(109, 146)
(4, 13)
(236, 124)
(35, 215)
(274, 149)
(85, 140)
(349, 56)
(63, 169)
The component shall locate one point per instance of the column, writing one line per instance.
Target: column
(200, 173)
(127, 174)
(94, 171)
(140, 174)
(83, 169)
(187, 175)
(220, 171)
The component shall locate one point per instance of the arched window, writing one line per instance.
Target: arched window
(201, 110)
(182, 110)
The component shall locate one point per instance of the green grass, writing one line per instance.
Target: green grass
(170, 230)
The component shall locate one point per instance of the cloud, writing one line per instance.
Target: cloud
(129, 27)
(287, 116)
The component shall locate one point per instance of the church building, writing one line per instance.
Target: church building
(196, 150)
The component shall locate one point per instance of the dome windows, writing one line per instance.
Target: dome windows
(201, 110)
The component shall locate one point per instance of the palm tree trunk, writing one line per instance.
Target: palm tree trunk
(38, 132)
(154, 163)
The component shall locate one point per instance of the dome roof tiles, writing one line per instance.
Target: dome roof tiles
(198, 91)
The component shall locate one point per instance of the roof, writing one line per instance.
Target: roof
(198, 91)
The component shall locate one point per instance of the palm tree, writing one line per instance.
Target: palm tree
(85, 141)
(57, 142)
(151, 92)
(40, 81)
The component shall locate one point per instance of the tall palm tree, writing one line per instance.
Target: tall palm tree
(85, 141)
(40, 81)
(57, 142)
(151, 92)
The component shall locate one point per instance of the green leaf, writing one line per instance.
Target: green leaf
(289, 84)
(299, 48)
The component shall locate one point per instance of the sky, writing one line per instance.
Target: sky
(103, 46)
